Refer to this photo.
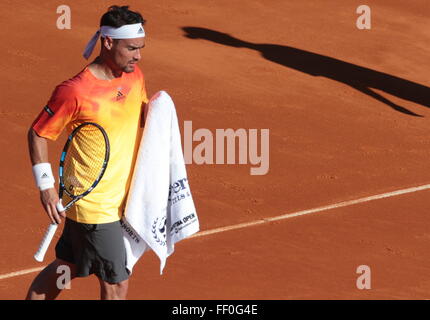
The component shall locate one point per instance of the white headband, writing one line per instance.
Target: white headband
(128, 31)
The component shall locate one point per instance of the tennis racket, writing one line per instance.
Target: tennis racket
(82, 164)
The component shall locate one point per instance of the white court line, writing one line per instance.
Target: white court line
(309, 211)
(270, 219)
(20, 273)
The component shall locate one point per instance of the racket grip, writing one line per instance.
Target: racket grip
(49, 234)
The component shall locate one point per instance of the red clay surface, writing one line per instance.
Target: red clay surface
(330, 141)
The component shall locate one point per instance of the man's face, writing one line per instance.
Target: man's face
(125, 53)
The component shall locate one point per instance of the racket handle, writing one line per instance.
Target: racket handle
(49, 234)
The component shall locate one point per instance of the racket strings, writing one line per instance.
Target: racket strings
(84, 160)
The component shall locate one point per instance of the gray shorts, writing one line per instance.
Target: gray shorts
(94, 249)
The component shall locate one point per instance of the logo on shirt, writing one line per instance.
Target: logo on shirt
(119, 95)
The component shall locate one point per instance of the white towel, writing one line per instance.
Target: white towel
(159, 210)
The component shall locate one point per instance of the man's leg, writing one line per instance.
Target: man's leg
(44, 286)
(115, 291)
(110, 263)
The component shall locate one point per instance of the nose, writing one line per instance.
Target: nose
(136, 55)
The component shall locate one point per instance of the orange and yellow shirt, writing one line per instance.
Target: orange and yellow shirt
(117, 106)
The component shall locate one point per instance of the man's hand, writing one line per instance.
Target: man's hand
(38, 148)
(49, 199)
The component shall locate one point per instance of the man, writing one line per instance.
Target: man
(111, 92)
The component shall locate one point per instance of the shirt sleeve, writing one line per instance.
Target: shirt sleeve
(60, 111)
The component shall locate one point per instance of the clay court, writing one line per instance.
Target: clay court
(349, 119)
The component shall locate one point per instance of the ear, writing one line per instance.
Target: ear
(108, 42)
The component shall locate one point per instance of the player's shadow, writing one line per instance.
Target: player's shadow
(359, 78)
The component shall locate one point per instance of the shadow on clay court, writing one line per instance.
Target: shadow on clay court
(359, 78)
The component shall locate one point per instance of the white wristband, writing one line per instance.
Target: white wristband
(43, 175)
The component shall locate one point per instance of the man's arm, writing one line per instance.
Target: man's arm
(38, 148)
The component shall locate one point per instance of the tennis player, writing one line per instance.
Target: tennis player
(111, 92)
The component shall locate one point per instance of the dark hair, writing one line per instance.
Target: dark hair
(118, 16)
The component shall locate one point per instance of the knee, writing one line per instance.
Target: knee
(116, 291)
(122, 286)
